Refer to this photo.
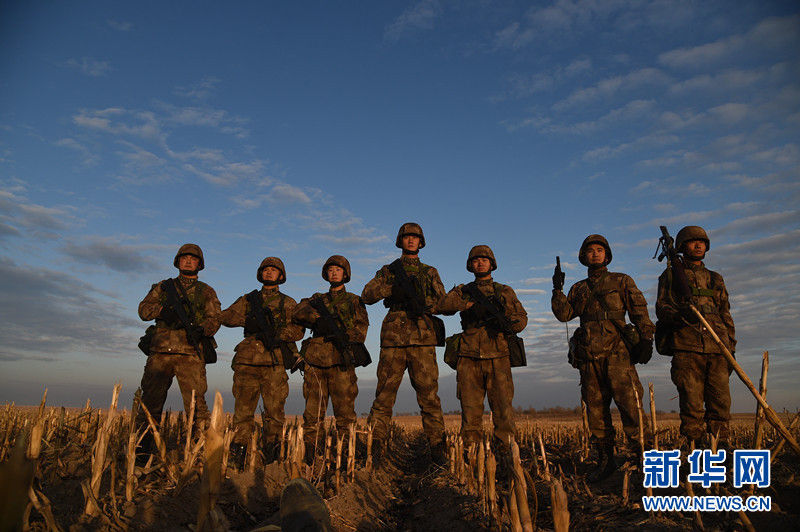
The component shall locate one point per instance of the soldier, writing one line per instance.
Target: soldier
(600, 352)
(338, 319)
(172, 350)
(484, 366)
(699, 369)
(410, 290)
(259, 365)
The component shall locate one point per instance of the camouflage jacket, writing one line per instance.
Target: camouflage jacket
(398, 330)
(251, 350)
(620, 295)
(478, 340)
(711, 299)
(317, 350)
(170, 336)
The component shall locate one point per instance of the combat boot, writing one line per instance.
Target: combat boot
(238, 453)
(145, 449)
(606, 465)
(439, 454)
(272, 451)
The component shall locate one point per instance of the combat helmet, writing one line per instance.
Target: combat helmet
(410, 228)
(691, 232)
(594, 239)
(190, 249)
(481, 251)
(275, 262)
(340, 261)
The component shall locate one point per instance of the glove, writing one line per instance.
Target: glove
(687, 313)
(558, 279)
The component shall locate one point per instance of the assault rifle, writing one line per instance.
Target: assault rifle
(681, 288)
(194, 333)
(268, 332)
(406, 291)
(353, 353)
(500, 323)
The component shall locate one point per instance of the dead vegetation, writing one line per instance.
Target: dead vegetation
(75, 470)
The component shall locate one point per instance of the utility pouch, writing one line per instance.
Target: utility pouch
(361, 355)
(577, 348)
(147, 339)
(663, 344)
(452, 345)
(208, 346)
(639, 349)
(516, 351)
(288, 354)
(438, 329)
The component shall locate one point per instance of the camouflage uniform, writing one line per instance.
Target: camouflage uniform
(484, 366)
(699, 369)
(326, 374)
(608, 371)
(171, 354)
(257, 370)
(407, 343)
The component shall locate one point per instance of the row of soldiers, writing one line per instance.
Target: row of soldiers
(605, 349)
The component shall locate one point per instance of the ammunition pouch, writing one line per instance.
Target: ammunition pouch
(208, 348)
(361, 355)
(452, 345)
(577, 348)
(147, 339)
(639, 349)
(663, 343)
(289, 354)
(516, 350)
(438, 329)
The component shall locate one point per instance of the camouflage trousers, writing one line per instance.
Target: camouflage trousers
(158, 374)
(271, 384)
(702, 378)
(424, 374)
(477, 378)
(607, 378)
(318, 385)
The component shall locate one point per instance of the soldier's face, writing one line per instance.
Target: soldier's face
(695, 249)
(335, 273)
(270, 274)
(595, 255)
(188, 263)
(410, 243)
(481, 266)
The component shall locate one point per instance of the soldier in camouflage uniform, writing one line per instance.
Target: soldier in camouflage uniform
(327, 373)
(603, 359)
(484, 366)
(170, 352)
(408, 342)
(259, 370)
(699, 369)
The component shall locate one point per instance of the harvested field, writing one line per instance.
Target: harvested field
(84, 478)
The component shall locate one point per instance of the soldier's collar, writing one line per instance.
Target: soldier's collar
(410, 260)
(187, 281)
(693, 266)
(337, 293)
(597, 271)
(269, 290)
(482, 282)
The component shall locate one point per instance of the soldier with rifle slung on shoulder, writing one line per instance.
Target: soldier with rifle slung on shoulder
(338, 321)
(484, 353)
(409, 336)
(181, 343)
(604, 348)
(699, 369)
(262, 358)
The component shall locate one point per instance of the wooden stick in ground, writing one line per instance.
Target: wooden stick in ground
(520, 489)
(585, 425)
(560, 506)
(545, 468)
(513, 512)
(368, 464)
(339, 445)
(779, 446)
(491, 487)
(99, 457)
(480, 475)
(351, 453)
(769, 413)
(653, 423)
(187, 449)
(762, 388)
(211, 480)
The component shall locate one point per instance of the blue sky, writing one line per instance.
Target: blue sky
(306, 129)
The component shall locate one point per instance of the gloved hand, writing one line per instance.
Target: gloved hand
(195, 334)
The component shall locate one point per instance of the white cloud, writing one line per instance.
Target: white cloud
(610, 86)
(120, 25)
(420, 16)
(90, 67)
(200, 90)
(285, 193)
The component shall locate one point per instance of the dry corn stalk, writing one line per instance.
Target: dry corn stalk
(545, 467)
(351, 453)
(585, 432)
(520, 489)
(212, 472)
(16, 476)
(99, 456)
(513, 512)
(560, 506)
(491, 487)
(653, 423)
(779, 446)
(762, 385)
(189, 425)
